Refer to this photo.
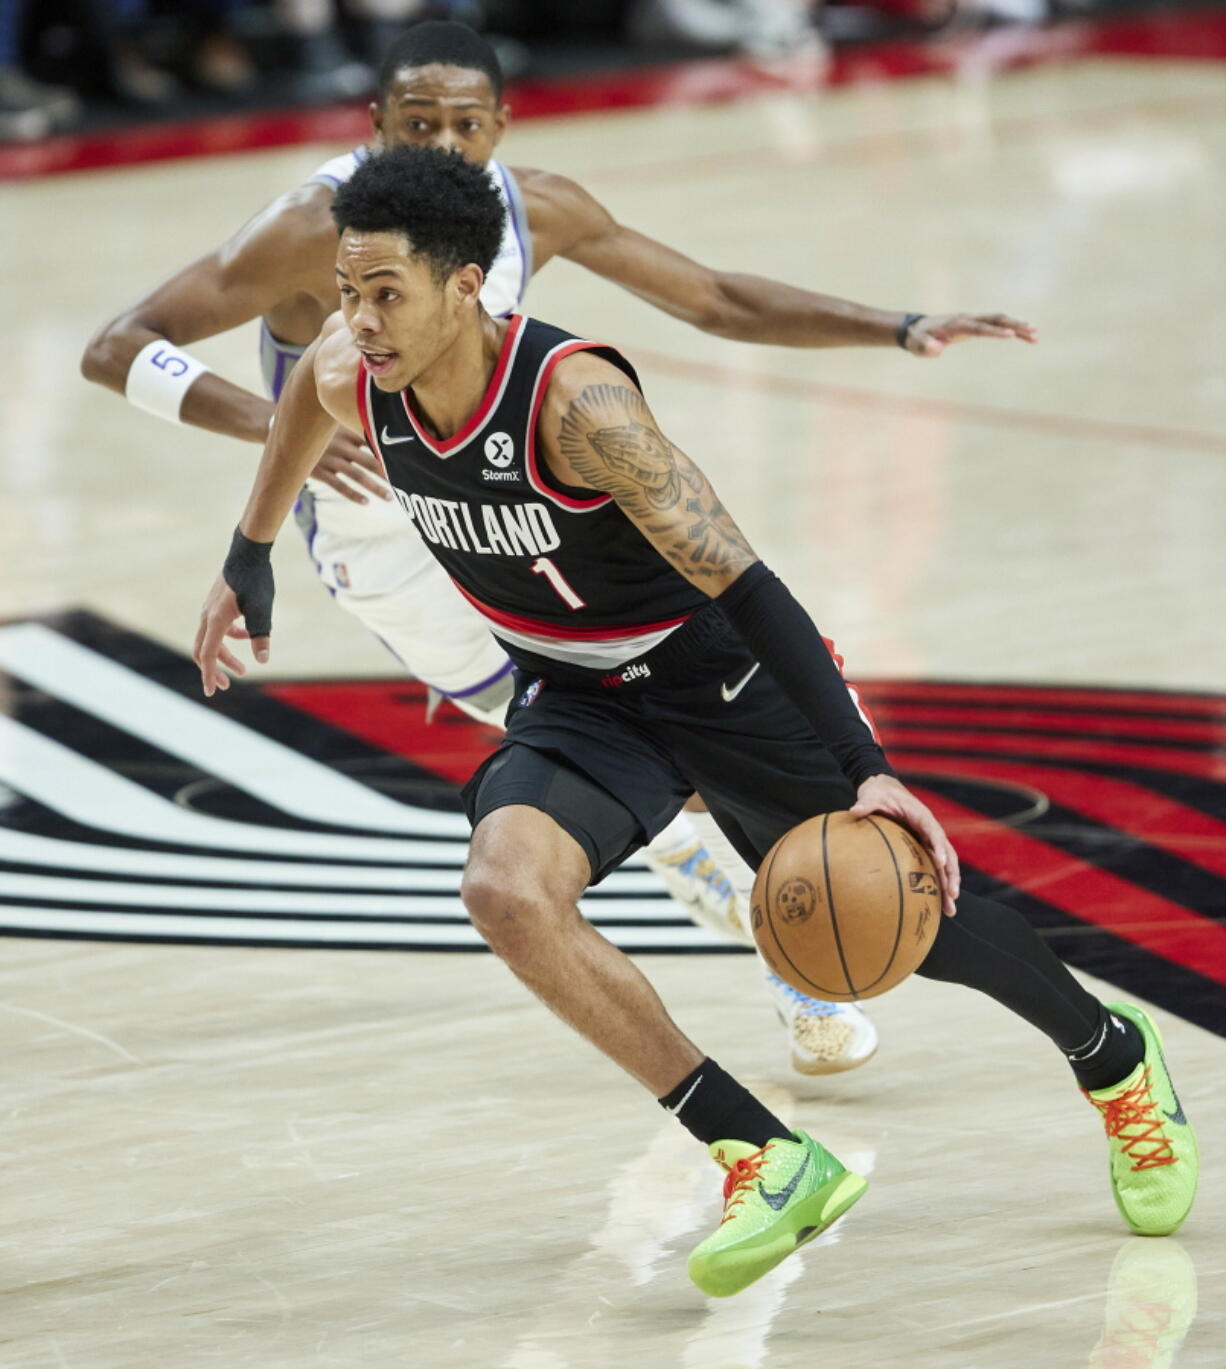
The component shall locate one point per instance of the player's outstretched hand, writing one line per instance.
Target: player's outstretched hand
(218, 620)
(885, 794)
(349, 467)
(929, 335)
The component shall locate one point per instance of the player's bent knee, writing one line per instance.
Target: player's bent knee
(510, 911)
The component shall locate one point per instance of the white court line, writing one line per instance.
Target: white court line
(26, 848)
(294, 902)
(442, 935)
(59, 778)
(212, 742)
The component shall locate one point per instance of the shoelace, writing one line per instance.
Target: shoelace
(809, 1007)
(739, 1177)
(1135, 1108)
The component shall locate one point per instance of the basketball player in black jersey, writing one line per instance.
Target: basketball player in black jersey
(441, 86)
(655, 655)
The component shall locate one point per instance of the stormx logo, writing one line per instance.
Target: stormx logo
(639, 670)
(500, 452)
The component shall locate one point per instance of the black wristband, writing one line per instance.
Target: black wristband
(248, 572)
(900, 334)
(784, 638)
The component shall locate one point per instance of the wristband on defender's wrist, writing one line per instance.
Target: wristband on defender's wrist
(904, 328)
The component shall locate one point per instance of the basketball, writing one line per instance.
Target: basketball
(845, 908)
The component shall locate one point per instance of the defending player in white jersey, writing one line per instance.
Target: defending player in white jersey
(441, 86)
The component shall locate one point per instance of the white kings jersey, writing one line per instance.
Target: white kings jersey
(504, 285)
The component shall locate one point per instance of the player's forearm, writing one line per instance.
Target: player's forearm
(205, 401)
(754, 309)
(784, 638)
(287, 461)
(223, 407)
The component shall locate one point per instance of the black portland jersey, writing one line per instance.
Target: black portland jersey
(556, 571)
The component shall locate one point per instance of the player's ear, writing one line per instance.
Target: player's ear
(467, 282)
(501, 118)
(376, 119)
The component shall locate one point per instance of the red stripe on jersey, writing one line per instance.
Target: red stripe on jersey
(493, 393)
(856, 697)
(535, 628)
(363, 380)
(567, 501)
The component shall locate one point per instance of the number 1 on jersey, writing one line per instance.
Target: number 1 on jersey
(544, 566)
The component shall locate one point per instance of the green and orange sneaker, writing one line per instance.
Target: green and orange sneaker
(1155, 1162)
(775, 1199)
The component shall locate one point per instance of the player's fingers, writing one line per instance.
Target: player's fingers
(259, 648)
(231, 662)
(238, 633)
(327, 472)
(368, 480)
(943, 857)
(955, 878)
(204, 652)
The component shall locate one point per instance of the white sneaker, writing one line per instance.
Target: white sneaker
(825, 1038)
(694, 880)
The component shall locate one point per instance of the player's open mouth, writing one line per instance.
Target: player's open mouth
(378, 363)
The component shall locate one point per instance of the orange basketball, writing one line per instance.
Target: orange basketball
(846, 908)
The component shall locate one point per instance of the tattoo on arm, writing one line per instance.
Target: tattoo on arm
(610, 439)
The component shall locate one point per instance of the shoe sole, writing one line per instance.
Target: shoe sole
(840, 1066)
(813, 1066)
(811, 1216)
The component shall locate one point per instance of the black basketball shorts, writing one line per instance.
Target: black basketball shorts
(612, 758)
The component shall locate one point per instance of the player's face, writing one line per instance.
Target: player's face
(400, 317)
(452, 108)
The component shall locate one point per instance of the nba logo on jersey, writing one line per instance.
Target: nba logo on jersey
(529, 694)
(340, 572)
(499, 450)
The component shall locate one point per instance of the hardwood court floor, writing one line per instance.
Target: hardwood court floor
(256, 1157)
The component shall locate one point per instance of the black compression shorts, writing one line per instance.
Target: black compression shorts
(612, 763)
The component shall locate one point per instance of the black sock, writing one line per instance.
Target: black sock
(1110, 1055)
(712, 1106)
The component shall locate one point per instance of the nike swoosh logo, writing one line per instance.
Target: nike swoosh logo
(730, 694)
(390, 441)
(779, 1200)
(1177, 1116)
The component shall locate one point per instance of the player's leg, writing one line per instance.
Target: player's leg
(1114, 1049)
(542, 833)
(761, 771)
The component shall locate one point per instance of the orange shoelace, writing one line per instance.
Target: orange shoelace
(1131, 1117)
(739, 1177)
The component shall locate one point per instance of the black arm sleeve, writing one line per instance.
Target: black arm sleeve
(783, 637)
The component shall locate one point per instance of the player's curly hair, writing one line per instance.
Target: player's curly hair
(448, 209)
(441, 41)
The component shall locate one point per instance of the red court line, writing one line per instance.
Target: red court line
(1153, 818)
(1086, 892)
(1123, 700)
(1015, 719)
(1202, 765)
(1191, 35)
(918, 406)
